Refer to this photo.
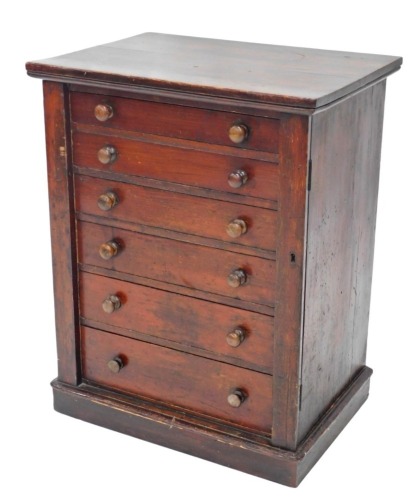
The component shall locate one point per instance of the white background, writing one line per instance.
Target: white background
(47, 455)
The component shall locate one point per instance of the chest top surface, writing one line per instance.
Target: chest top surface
(291, 76)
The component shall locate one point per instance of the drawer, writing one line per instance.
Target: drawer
(180, 263)
(205, 217)
(188, 321)
(179, 165)
(184, 380)
(181, 122)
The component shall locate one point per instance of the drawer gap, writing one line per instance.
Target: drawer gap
(139, 180)
(161, 285)
(180, 143)
(183, 347)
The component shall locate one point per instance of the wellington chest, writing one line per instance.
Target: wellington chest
(213, 209)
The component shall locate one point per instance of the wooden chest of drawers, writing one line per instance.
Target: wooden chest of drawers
(213, 210)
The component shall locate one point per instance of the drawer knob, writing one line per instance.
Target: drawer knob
(236, 337)
(236, 398)
(236, 228)
(237, 278)
(109, 249)
(106, 155)
(238, 133)
(107, 201)
(111, 303)
(237, 178)
(103, 112)
(115, 364)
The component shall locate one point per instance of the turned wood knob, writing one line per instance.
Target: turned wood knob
(238, 133)
(103, 112)
(111, 303)
(236, 228)
(107, 154)
(107, 201)
(115, 364)
(237, 178)
(237, 278)
(235, 337)
(236, 398)
(109, 249)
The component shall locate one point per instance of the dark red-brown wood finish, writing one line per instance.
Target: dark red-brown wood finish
(213, 211)
(60, 182)
(290, 264)
(172, 261)
(178, 378)
(340, 235)
(179, 212)
(179, 122)
(180, 168)
(178, 321)
(291, 76)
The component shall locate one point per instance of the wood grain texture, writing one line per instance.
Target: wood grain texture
(181, 122)
(171, 344)
(178, 212)
(164, 140)
(202, 101)
(184, 320)
(340, 246)
(188, 238)
(205, 438)
(179, 165)
(290, 261)
(180, 263)
(182, 290)
(178, 188)
(177, 378)
(60, 184)
(294, 76)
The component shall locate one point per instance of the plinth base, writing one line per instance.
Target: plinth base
(206, 439)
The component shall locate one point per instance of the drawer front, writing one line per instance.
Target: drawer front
(180, 122)
(188, 321)
(184, 380)
(178, 165)
(180, 263)
(178, 212)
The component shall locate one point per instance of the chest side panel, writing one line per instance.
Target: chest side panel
(346, 143)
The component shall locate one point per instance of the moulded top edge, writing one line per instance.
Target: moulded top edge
(286, 76)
